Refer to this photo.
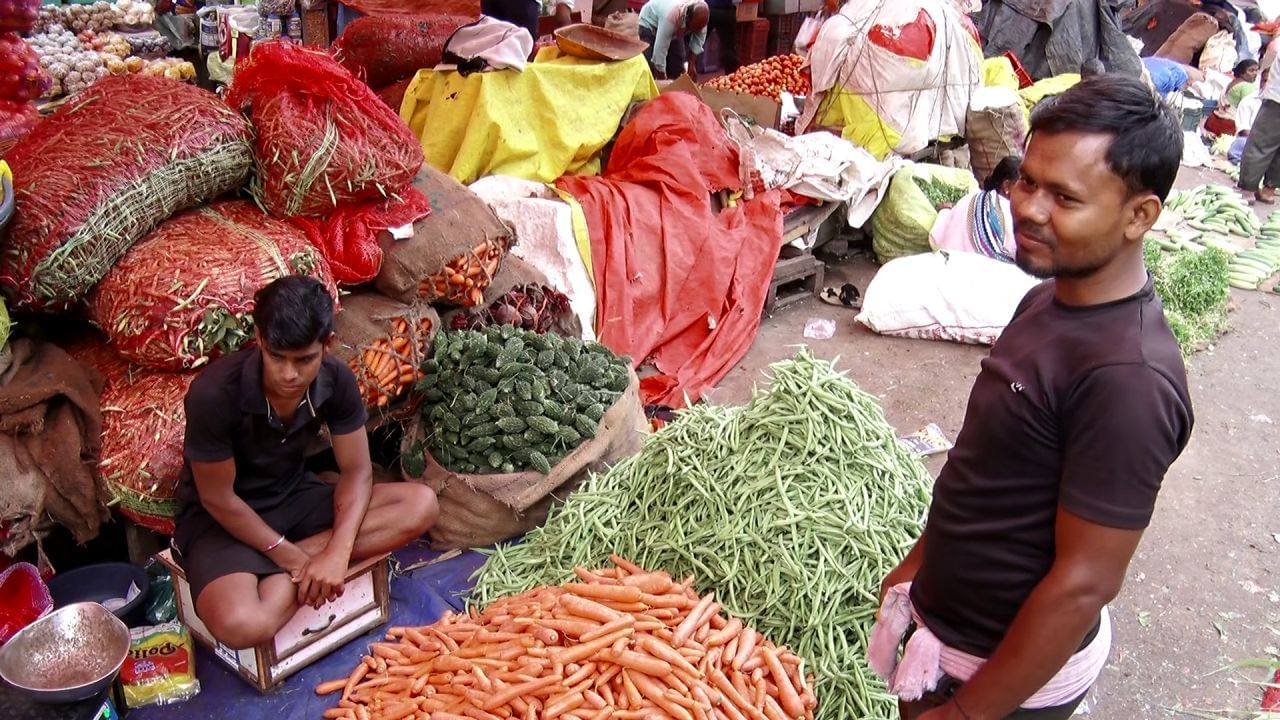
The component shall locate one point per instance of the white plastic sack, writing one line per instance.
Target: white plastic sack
(961, 297)
(544, 226)
(919, 98)
(1194, 152)
(817, 165)
(1219, 54)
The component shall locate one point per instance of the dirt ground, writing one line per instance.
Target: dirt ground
(1204, 589)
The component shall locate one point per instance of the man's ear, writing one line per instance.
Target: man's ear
(329, 341)
(1145, 210)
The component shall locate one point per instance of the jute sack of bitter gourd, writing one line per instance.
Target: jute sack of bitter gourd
(511, 423)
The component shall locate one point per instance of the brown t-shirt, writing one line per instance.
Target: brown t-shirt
(1082, 408)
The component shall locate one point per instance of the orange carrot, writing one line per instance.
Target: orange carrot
(787, 695)
(654, 692)
(654, 583)
(746, 646)
(725, 634)
(333, 686)
(614, 593)
(693, 620)
(624, 565)
(572, 628)
(356, 676)
(564, 703)
(622, 623)
(641, 663)
(582, 607)
(503, 697)
(586, 650)
(664, 652)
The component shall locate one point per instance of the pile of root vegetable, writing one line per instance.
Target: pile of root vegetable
(791, 509)
(620, 643)
(768, 78)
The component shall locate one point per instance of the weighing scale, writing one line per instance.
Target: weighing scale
(16, 706)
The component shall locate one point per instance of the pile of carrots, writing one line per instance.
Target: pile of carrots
(463, 279)
(622, 644)
(386, 367)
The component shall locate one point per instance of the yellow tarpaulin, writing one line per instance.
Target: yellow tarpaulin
(550, 120)
(1055, 85)
(999, 72)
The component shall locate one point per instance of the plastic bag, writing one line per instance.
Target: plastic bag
(162, 606)
(161, 667)
(24, 598)
(901, 224)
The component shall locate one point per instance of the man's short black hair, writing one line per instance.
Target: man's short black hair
(293, 312)
(1005, 171)
(1092, 67)
(1146, 138)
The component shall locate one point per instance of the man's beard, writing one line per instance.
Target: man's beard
(1064, 272)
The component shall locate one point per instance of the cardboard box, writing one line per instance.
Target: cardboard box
(312, 633)
(748, 10)
(766, 112)
(781, 7)
(315, 27)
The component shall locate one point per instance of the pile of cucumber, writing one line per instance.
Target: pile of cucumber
(1213, 212)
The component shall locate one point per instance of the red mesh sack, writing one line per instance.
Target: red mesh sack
(384, 49)
(106, 168)
(16, 120)
(348, 238)
(324, 139)
(179, 299)
(470, 8)
(19, 15)
(143, 426)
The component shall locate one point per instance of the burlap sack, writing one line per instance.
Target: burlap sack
(515, 274)
(369, 320)
(995, 128)
(627, 23)
(459, 224)
(1189, 39)
(479, 510)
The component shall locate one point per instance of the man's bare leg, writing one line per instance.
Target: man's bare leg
(398, 514)
(242, 611)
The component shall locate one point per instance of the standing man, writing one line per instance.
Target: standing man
(1073, 421)
(258, 535)
(1261, 160)
(676, 31)
(724, 23)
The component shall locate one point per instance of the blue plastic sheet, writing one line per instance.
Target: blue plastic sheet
(419, 597)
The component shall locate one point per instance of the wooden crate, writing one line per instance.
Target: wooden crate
(312, 633)
(748, 10)
(753, 41)
(794, 279)
(783, 30)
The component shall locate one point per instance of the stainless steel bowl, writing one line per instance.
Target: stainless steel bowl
(66, 656)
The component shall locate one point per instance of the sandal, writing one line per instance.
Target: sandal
(1266, 196)
(847, 297)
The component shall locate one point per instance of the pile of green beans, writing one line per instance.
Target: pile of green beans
(791, 509)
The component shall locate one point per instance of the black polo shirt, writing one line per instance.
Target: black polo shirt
(228, 417)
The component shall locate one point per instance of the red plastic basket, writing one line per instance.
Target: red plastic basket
(753, 41)
(1024, 78)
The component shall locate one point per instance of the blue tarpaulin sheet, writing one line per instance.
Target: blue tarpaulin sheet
(418, 597)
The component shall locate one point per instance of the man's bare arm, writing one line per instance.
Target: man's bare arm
(322, 578)
(215, 483)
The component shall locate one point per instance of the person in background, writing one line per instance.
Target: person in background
(724, 23)
(602, 9)
(676, 31)
(561, 10)
(1073, 421)
(1091, 68)
(258, 534)
(1243, 83)
(980, 222)
(1260, 163)
(521, 13)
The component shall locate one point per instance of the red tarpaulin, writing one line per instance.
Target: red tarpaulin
(676, 281)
